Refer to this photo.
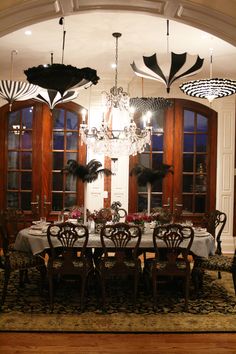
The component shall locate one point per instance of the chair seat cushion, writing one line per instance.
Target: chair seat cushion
(23, 260)
(111, 262)
(216, 262)
(162, 265)
(75, 263)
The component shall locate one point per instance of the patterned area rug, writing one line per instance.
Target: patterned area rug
(213, 310)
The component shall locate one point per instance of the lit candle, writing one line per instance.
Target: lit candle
(83, 115)
(149, 114)
(144, 121)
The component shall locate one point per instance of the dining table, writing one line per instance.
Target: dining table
(34, 240)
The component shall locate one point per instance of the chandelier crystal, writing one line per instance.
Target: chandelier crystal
(125, 140)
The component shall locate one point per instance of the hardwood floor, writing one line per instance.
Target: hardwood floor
(58, 343)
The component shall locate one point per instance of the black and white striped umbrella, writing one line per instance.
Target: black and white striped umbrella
(145, 104)
(169, 68)
(52, 97)
(17, 91)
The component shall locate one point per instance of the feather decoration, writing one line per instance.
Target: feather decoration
(147, 175)
(87, 173)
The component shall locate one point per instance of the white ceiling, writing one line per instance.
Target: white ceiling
(89, 42)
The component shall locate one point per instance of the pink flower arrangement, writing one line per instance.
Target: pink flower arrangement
(76, 213)
(138, 218)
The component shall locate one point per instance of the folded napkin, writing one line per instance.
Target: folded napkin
(37, 232)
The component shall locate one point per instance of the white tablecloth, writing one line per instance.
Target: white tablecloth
(202, 246)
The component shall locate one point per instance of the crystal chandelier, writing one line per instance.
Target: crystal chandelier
(123, 141)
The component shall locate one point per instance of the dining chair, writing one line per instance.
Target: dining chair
(120, 243)
(12, 260)
(14, 220)
(67, 256)
(174, 241)
(214, 222)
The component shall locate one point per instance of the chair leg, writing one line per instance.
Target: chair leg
(83, 286)
(154, 289)
(50, 283)
(187, 281)
(4, 291)
(136, 279)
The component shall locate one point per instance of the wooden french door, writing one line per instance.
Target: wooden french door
(36, 144)
(184, 136)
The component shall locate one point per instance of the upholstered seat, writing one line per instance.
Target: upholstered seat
(215, 223)
(13, 260)
(124, 262)
(68, 259)
(171, 257)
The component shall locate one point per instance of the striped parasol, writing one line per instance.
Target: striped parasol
(17, 90)
(169, 68)
(52, 97)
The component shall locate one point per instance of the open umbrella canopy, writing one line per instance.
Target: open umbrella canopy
(171, 67)
(60, 77)
(52, 98)
(17, 91)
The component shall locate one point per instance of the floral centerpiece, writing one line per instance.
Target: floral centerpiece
(100, 217)
(76, 213)
(138, 218)
(161, 216)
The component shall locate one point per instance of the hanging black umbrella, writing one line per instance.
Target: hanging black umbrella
(60, 77)
(173, 67)
(52, 98)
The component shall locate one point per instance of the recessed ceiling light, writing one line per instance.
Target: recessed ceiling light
(113, 65)
(28, 33)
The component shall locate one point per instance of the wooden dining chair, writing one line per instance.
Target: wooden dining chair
(123, 240)
(67, 256)
(174, 241)
(12, 260)
(215, 223)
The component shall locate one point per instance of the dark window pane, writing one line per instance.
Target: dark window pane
(187, 183)
(26, 180)
(142, 189)
(188, 143)
(201, 163)
(70, 200)
(156, 201)
(201, 142)
(157, 161)
(57, 181)
(202, 123)
(13, 160)
(201, 184)
(58, 140)
(57, 201)
(27, 117)
(71, 141)
(142, 202)
(26, 140)
(157, 186)
(71, 156)
(187, 203)
(188, 162)
(144, 159)
(13, 180)
(58, 162)
(12, 200)
(200, 204)
(188, 121)
(71, 121)
(13, 119)
(157, 121)
(58, 118)
(157, 142)
(13, 141)
(70, 183)
(26, 160)
(25, 200)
